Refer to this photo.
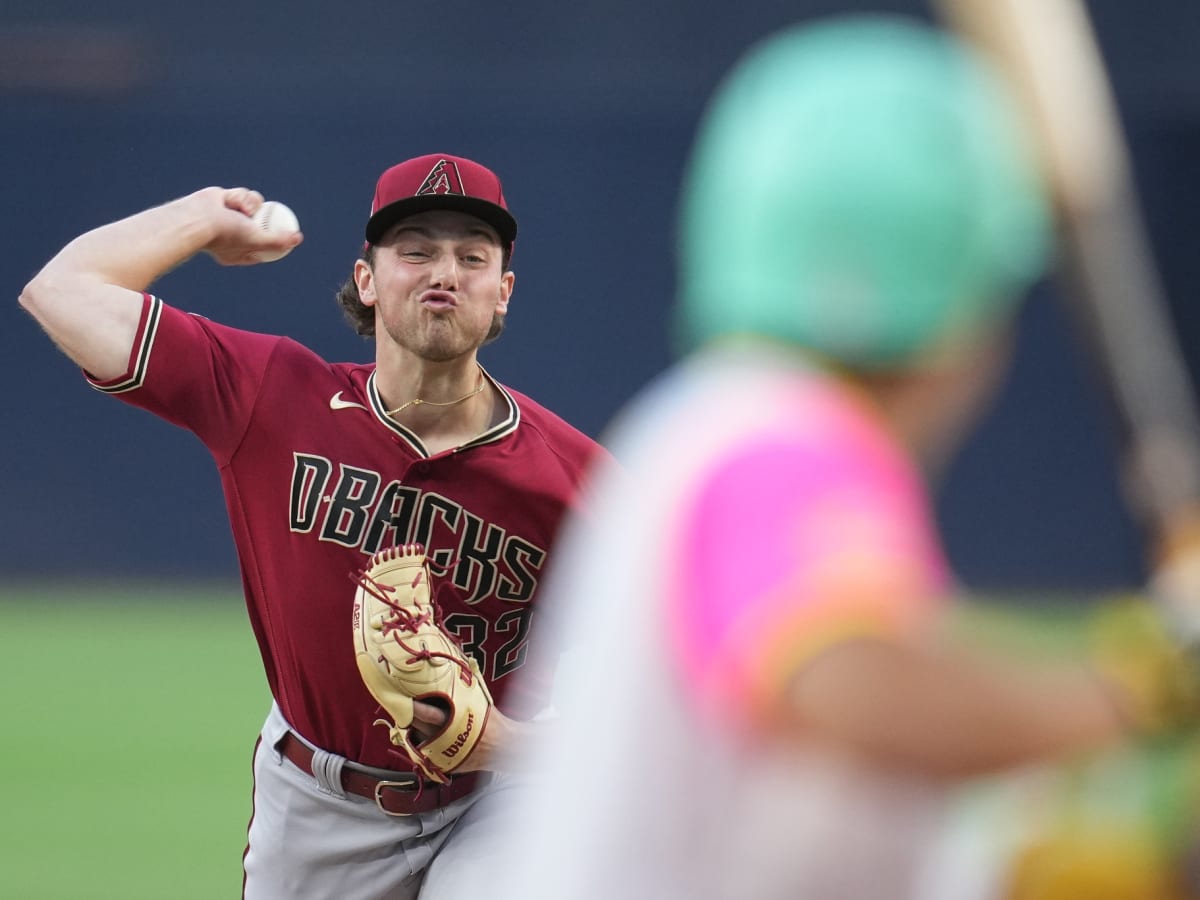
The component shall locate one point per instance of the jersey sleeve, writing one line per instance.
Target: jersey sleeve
(792, 541)
(195, 373)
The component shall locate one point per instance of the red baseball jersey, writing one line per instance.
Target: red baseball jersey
(316, 478)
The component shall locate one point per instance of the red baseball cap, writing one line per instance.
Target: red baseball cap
(439, 181)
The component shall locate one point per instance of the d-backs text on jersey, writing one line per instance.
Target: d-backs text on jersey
(356, 508)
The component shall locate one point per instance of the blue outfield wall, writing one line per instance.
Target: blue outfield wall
(586, 111)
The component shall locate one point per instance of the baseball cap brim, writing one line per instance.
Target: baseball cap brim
(496, 216)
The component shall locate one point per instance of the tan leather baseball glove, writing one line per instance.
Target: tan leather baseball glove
(405, 654)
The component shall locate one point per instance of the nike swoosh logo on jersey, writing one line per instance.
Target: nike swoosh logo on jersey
(336, 402)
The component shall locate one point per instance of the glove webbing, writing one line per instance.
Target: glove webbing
(403, 619)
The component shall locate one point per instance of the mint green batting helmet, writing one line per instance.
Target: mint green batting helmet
(860, 187)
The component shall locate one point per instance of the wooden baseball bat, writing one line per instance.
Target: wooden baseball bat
(1047, 51)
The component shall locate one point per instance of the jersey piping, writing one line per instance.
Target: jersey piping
(506, 427)
(139, 357)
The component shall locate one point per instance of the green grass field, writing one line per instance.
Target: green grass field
(129, 719)
(130, 715)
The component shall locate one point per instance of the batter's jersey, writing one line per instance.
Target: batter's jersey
(316, 478)
(762, 512)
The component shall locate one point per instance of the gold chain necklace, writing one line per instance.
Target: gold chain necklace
(419, 402)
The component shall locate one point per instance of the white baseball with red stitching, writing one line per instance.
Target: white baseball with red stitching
(274, 217)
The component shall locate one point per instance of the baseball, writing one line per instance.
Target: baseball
(275, 218)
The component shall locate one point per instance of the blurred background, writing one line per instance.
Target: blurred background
(586, 110)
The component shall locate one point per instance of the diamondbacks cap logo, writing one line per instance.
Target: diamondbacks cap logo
(443, 178)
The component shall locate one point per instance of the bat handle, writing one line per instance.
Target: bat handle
(1175, 580)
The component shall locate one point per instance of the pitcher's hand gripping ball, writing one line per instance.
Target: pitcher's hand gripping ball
(405, 654)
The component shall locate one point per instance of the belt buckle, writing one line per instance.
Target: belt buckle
(380, 786)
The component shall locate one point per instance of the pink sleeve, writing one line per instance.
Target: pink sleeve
(793, 539)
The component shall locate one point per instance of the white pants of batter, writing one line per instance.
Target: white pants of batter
(311, 841)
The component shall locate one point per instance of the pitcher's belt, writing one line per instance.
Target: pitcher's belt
(404, 794)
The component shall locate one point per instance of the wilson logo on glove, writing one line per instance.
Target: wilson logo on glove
(461, 740)
(404, 654)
